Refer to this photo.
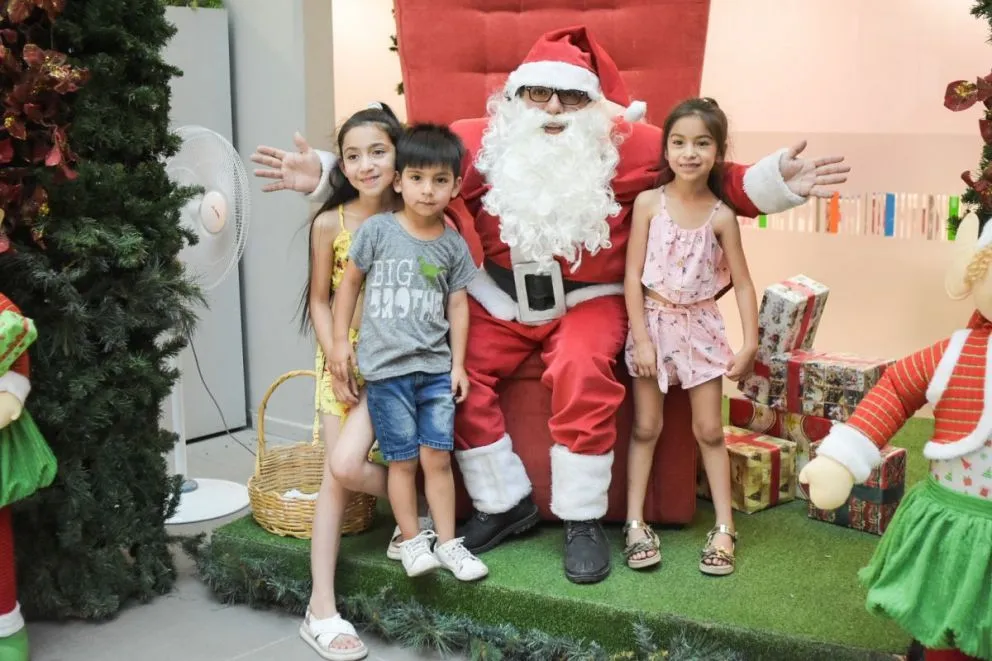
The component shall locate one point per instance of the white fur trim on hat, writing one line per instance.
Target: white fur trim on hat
(635, 111)
(494, 475)
(559, 75)
(12, 622)
(579, 484)
(849, 447)
(764, 185)
(16, 384)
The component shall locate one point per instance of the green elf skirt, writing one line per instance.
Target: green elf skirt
(932, 570)
(26, 462)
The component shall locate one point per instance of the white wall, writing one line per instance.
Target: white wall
(283, 82)
(202, 96)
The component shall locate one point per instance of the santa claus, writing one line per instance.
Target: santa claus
(549, 183)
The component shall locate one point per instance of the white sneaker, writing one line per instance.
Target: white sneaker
(393, 552)
(454, 557)
(418, 556)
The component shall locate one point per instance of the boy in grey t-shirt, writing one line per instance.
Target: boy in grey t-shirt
(415, 270)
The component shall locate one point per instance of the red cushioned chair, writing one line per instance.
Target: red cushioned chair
(454, 54)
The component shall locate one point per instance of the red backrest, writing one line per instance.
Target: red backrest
(455, 53)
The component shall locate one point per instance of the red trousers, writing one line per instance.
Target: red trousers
(579, 352)
(8, 576)
(948, 655)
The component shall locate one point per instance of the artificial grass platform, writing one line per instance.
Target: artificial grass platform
(795, 594)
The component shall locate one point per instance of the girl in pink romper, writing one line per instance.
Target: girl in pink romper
(683, 252)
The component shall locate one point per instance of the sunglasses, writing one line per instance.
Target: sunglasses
(565, 97)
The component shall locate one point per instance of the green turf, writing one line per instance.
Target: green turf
(794, 595)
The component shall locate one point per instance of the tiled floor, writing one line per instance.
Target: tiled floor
(189, 624)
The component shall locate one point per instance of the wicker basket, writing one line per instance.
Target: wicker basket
(299, 466)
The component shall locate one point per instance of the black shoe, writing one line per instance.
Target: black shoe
(483, 532)
(587, 552)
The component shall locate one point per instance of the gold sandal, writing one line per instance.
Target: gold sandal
(648, 544)
(713, 553)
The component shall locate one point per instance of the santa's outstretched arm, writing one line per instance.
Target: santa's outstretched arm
(781, 180)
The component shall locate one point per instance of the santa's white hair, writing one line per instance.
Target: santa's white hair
(552, 193)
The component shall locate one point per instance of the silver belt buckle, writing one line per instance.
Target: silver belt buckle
(525, 314)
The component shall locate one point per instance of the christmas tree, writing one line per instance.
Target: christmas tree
(961, 95)
(93, 260)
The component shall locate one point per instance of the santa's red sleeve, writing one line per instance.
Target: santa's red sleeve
(899, 394)
(759, 188)
(15, 381)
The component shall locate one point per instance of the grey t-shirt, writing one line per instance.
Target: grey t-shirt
(407, 283)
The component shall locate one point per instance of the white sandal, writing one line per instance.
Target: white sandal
(321, 634)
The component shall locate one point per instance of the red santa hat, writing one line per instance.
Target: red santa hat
(571, 59)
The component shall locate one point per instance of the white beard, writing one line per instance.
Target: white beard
(551, 193)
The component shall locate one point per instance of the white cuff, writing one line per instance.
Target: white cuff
(855, 451)
(496, 301)
(16, 384)
(323, 190)
(764, 185)
(12, 622)
(494, 476)
(579, 484)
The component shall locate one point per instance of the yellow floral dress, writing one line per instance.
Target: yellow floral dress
(325, 401)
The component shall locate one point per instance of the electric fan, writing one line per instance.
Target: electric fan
(219, 217)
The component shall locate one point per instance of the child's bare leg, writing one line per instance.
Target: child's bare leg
(707, 425)
(349, 458)
(439, 485)
(402, 488)
(325, 541)
(648, 404)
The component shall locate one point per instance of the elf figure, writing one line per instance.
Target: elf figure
(932, 570)
(26, 465)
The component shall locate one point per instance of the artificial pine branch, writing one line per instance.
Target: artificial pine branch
(977, 196)
(266, 584)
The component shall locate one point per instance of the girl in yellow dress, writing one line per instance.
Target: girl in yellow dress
(362, 181)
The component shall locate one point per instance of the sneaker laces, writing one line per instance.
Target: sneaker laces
(457, 552)
(422, 541)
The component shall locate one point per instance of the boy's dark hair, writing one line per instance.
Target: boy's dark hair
(429, 145)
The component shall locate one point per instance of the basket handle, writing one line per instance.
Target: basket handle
(265, 402)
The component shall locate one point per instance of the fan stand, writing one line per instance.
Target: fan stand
(201, 499)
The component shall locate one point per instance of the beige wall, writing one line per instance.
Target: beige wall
(822, 70)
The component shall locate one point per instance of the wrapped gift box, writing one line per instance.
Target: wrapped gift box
(762, 470)
(17, 333)
(871, 505)
(823, 384)
(789, 315)
(801, 429)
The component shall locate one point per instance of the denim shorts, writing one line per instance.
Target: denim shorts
(411, 411)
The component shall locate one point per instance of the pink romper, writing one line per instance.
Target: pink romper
(688, 268)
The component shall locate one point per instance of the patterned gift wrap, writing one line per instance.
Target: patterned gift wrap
(801, 429)
(789, 315)
(788, 318)
(762, 470)
(821, 384)
(872, 504)
(17, 333)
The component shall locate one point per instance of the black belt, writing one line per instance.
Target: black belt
(539, 289)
